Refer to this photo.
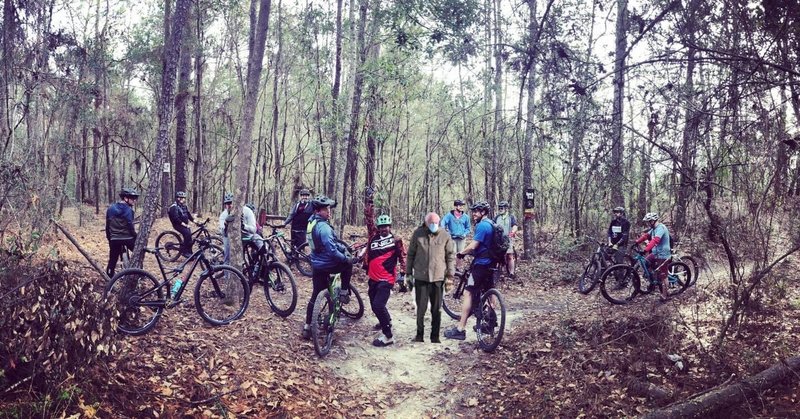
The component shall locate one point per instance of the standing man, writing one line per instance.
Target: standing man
(298, 218)
(658, 248)
(327, 256)
(385, 253)
(481, 277)
(180, 216)
(457, 223)
(120, 231)
(509, 223)
(430, 260)
(226, 217)
(618, 232)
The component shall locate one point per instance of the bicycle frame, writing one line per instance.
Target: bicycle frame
(198, 258)
(650, 274)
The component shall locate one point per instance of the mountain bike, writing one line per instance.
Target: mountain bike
(263, 268)
(489, 312)
(602, 258)
(297, 256)
(621, 283)
(169, 242)
(221, 295)
(328, 308)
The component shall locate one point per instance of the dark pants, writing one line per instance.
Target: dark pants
(186, 242)
(379, 292)
(298, 237)
(429, 291)
(319, 280)
(115, 249)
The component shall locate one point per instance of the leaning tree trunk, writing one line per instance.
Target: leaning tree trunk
(171, 56)
(245, 155)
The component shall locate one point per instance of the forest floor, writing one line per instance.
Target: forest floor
(564, 354)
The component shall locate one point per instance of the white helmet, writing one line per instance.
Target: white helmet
(650, 216)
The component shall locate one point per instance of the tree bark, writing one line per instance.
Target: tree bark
(715, 401)
(276, 147)
(181, 103)
(198, 194)
(530, 126)
(617, 175)
(165, 104)
(6, 72)
(330, 189)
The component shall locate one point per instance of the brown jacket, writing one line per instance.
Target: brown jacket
(431, 256)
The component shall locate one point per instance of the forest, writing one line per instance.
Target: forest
(565, 109)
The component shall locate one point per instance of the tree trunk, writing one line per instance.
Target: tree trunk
(244, 157)
(276, 148)
(6, 72)
(713, 402)
(330, 190)
(691, 122)
(617, 175)
(181, 103)
(198, 194)
(171, 55)
(530, 127)
(498, 136)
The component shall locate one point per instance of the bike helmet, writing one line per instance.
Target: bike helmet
(503, 204)
(480, 206)
(228, 198)
(383, 220)
(305, 191)
(619, 210)
(458, 202)
(180, 194)
(322, 201)
(251, 206)
(128, 193)
(650, 216)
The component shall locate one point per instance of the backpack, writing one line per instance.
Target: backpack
(500, 243)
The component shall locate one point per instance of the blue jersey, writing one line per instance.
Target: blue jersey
(661, 250)
(484, 234)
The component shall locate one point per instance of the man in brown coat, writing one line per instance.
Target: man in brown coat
(430, 260)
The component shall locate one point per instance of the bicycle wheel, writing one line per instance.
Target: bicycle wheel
(250, 251)
(619, 284)
(169, 246)
(492, 322)
(355, 308)
(303, 260)
(215, 254)
(138, 300)
(280, 288)
(451, 299)
(591, 274)
(216, 240)
(692, 262)
(221, 295)
(323, 320)
(679, 277)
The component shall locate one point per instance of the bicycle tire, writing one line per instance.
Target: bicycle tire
(216, 239)
(132, 317)
(280, 288)
(215, 254)
(355, 308)
(694, 265)
(451, 300)
(619, 284)
(679, 277)
(168, 244)
(590, 277)
(303, 260)
(219, 303)
(249, 249)
(491, 325)
(323, 323)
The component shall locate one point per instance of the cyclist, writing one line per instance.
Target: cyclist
(298, 218)
(618, 232)
(457, 223)
(481, 277)
(658, 248)
(120, 231)
(250, 229)
(509, 224)
(327, 256)
(180, 216)
(385, 253)
(225, 217)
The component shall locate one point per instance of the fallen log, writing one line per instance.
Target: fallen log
(75, 243)
(712, 402)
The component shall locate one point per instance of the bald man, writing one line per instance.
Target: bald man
(431, 257)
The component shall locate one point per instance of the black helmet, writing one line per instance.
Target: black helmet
(128, 193)
(304, 191)
(503, 204)
(180, 194)
(458, 202)
(322, 201)
(480, 206)
(228, 198)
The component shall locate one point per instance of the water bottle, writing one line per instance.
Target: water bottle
(177, 286)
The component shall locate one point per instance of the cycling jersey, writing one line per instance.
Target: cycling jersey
(659, 241)
(119, 222)
(179, 214)
(382, 257)
(618, 231)
(326, 252)
(484, 234)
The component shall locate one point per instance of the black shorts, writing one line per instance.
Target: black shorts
(481, 279)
